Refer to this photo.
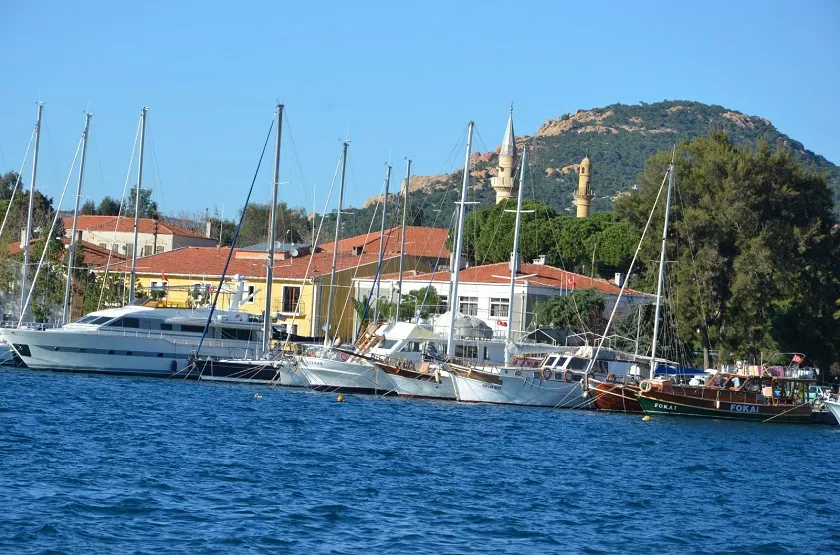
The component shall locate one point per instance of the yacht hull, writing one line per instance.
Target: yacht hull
(617, 397)
(517, 390)
(269, 372)
(658, 402)
(421, 385)
(137, 354)
(337, 376)
(834, 407)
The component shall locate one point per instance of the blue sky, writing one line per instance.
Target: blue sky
(403, 77)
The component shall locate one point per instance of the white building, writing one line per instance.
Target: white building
(117, 235)
(484, 291)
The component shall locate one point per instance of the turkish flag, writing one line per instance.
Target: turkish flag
(502, 323)
(571, 281)
(798, 359)
(163, 277)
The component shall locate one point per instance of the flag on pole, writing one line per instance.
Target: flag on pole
(798, 359)
(163, 277)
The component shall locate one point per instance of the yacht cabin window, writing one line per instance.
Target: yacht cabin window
(466, 351)
(551, 361)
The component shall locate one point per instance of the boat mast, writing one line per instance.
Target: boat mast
(335, 244)
(515, 262)
(402, 236)
(272, 234)
(462, 208)
(382, 241)
(137, 205)
(72, 256)
(661, 271)
(28, 236)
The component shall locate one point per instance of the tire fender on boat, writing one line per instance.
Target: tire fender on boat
(610, 378)
(568, 376)
(546, 373)
(173, 366)
(645, 385)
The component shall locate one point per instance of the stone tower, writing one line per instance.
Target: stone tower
(583, 197)
(504, 183)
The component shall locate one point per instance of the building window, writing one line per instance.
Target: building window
(103, 245)
(499, 308)
(466, 351)
(249, 295)
(115, 248)
(158, 286)
(147, 250)
(444, 303)
(158, 249)
(129, 250)
(291, 298)
(468, 306)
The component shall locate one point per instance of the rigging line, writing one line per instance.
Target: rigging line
(355, 271)
(119, 214)
(311, 261)
(448, 163)
(419, 309)
(629, 271)
(46, 239)
(54, 159)
(233, 243)
(17, 182)
(156, 174)
(296, 157)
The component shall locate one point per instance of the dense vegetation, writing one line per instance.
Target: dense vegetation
(756, 246)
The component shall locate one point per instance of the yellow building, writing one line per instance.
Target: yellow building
(300, 287)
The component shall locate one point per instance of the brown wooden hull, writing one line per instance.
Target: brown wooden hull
(710, 405)
(617, 397)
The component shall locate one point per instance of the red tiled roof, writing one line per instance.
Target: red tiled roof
(94, 255)
(210, 261)
(419, 241)
(534, 274)
(126, 224)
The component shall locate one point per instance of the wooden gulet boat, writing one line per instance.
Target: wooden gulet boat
(733, 397)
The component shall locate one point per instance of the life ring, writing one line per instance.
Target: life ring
(645, 385)
(546, 373)
(611, 378)
(568, 376)
(344, 357)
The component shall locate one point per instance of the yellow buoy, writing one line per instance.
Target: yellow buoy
(340, 399)
(646, 417)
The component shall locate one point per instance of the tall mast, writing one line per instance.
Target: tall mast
(462, 208)
(402, 235)
(28, 237)
(661, 271)
(382, 242)
(515, 262)
(272, 234)
(137, 204)
(72, 257)
(327, 336)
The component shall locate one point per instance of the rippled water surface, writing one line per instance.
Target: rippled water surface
(123, 465)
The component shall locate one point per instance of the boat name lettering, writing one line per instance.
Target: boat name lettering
(744, 408)
(664, 406)
(491, 386)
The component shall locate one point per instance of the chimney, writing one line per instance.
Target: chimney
(540, 260)
(619, 279)
(358, 250)
(22, 236)
(208, 228)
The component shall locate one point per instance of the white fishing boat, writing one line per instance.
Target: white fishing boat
(138, 339)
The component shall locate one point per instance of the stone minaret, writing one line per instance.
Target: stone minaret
(583, 197)
(504, 183)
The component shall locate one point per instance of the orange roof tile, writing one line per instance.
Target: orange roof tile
(94, 255)
(210, 261)
(126, 224)
(534, 274)
(419, 241)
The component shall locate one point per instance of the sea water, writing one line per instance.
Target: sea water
(102, 464)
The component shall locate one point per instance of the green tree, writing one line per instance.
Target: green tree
(88, 207)
(148, 207)
(108, 207)
(581, 310)
(757, 262)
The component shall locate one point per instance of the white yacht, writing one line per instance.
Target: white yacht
(137, 339)
(834, 407)
(555, 381)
